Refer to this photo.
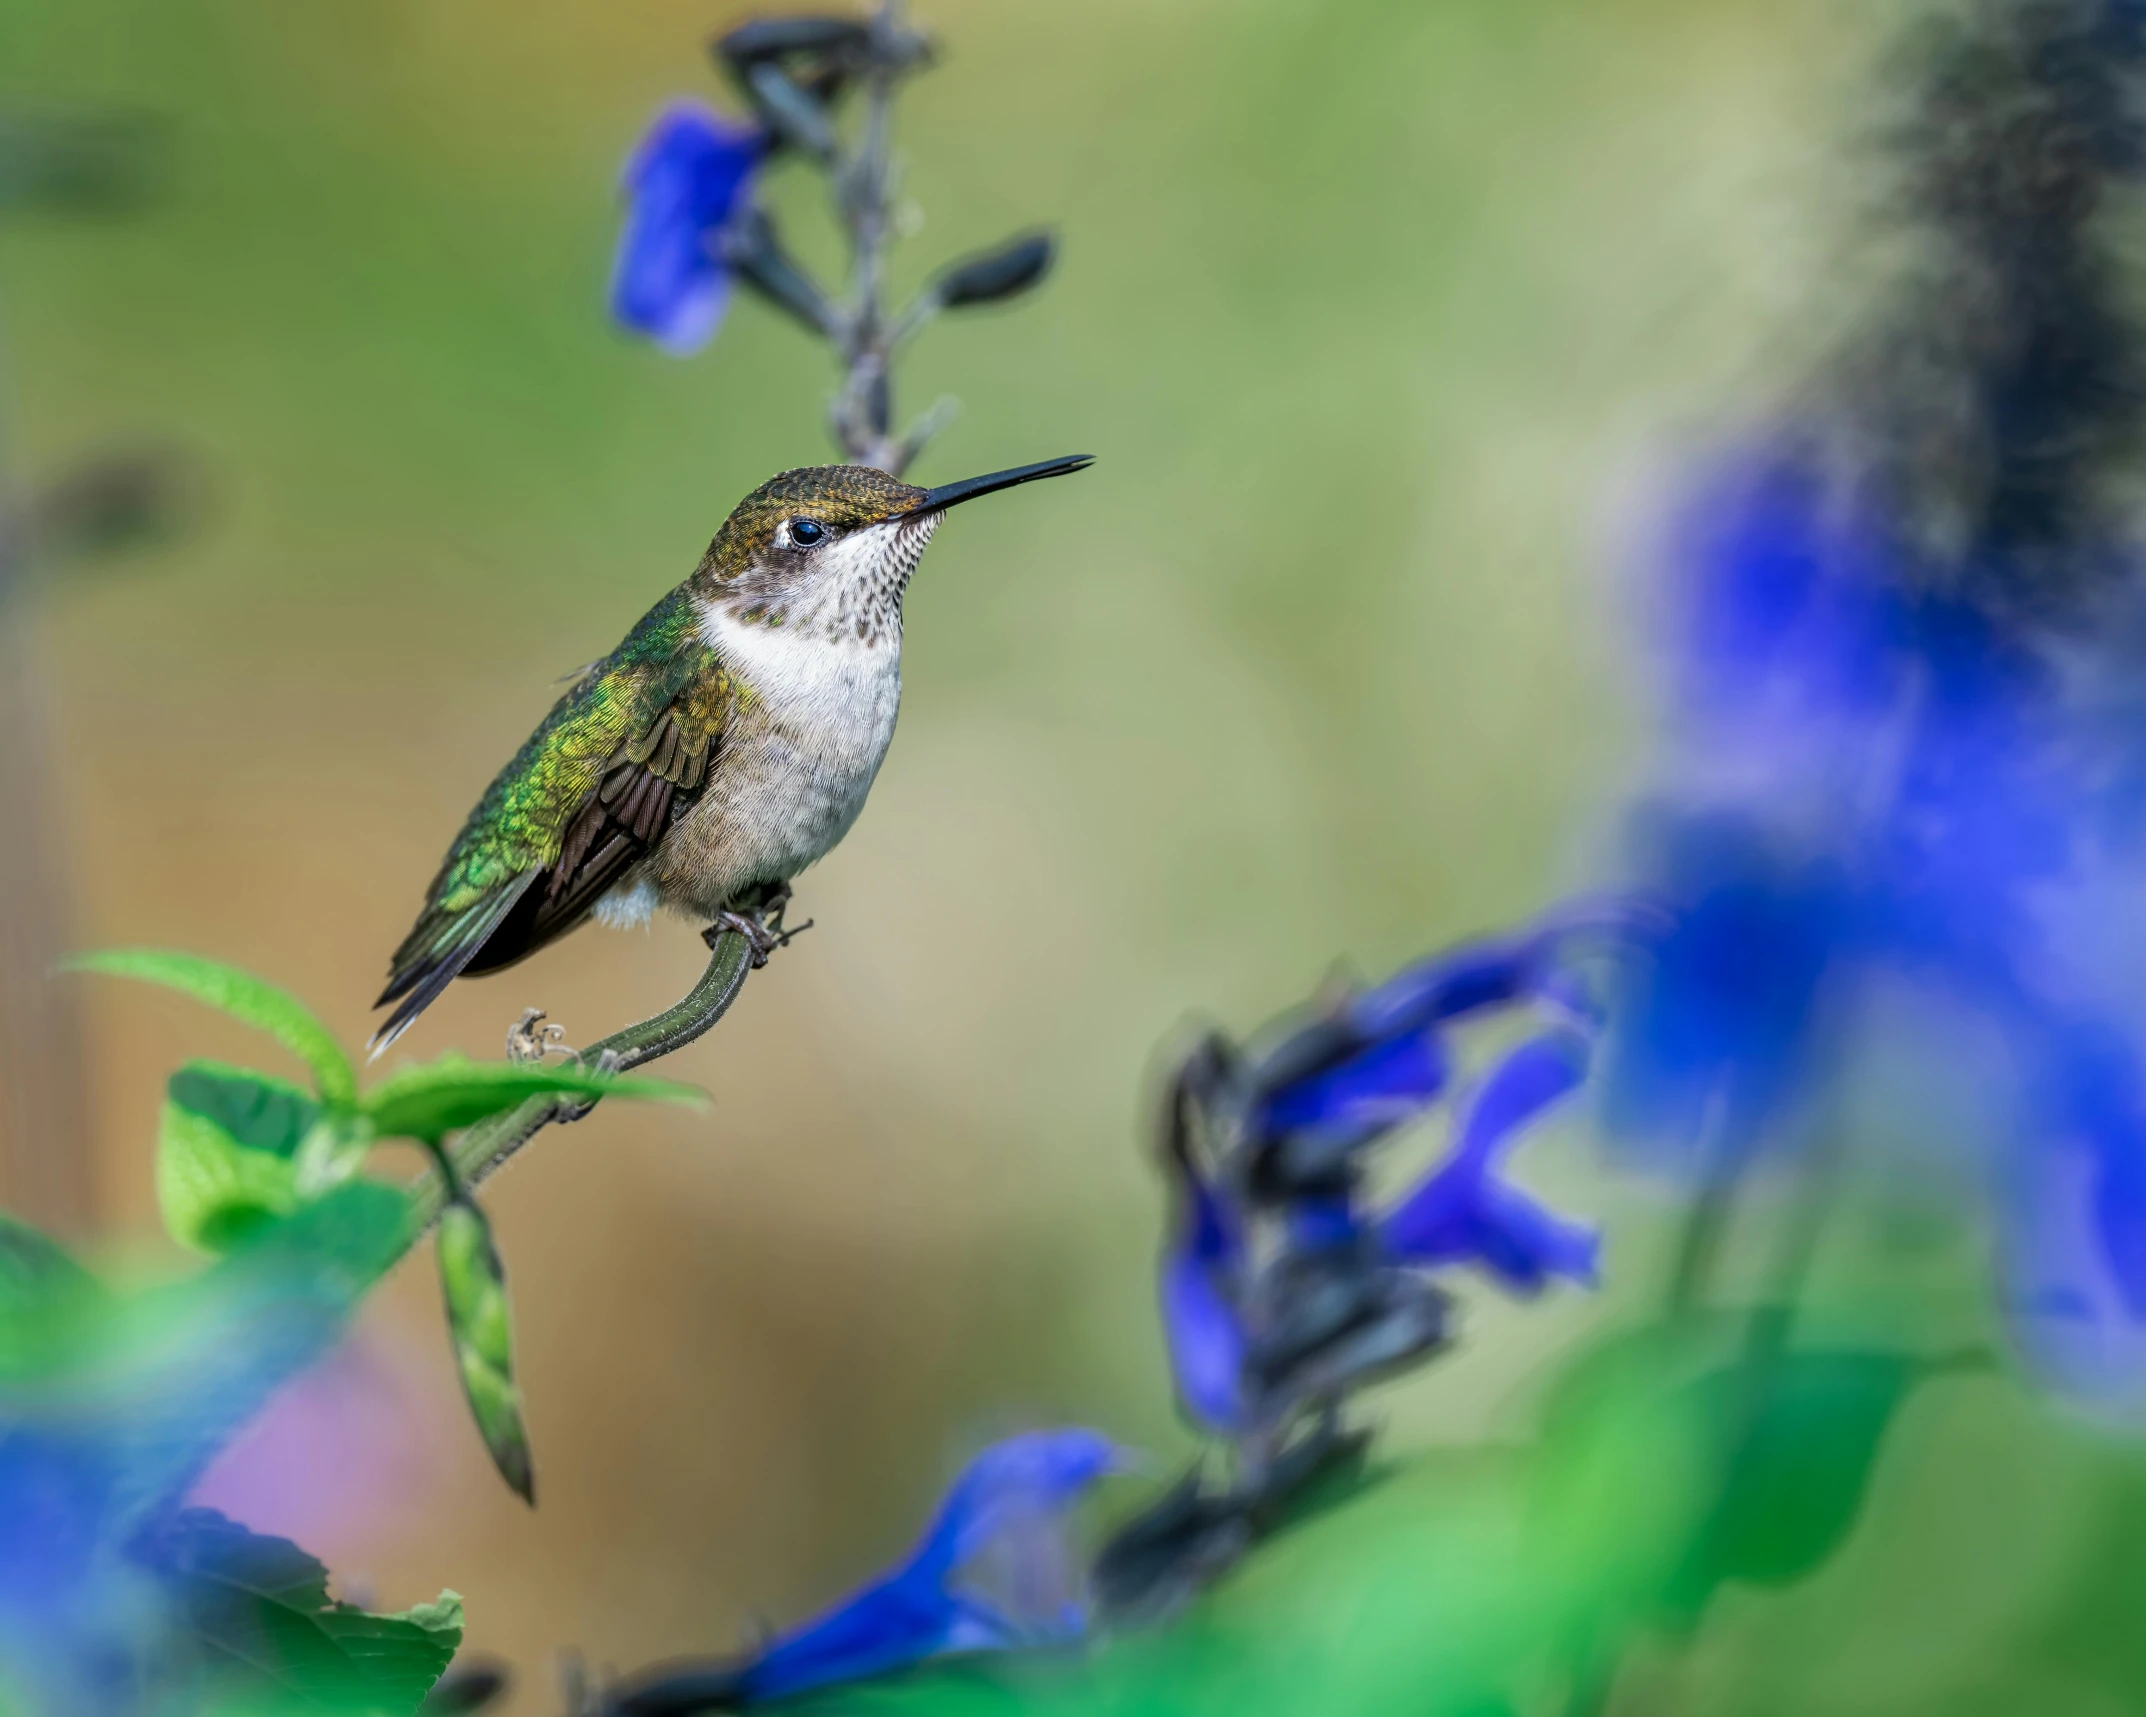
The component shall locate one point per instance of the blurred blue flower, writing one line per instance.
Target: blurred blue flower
(1008, 1507)
(1281, 1288)
(1464, 1214)
(2072, 1197)
(55, 1497)
(1879, 773)
(1781, 621)
(690, 175)
(1203, 1262)
(76, 1616)
(1491, 973)
(1377, 1062)
(1373, 1088)
(1716, 1029)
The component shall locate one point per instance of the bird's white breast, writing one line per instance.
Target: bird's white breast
(840, 693)
(798, 755)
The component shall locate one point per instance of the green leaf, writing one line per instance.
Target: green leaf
(224, 1147)
(1621, 1479)
(475, 1288)
(256, 1614)
(34, 1266)
(1799, 1437)
(252, 1109)
(427, 1103)
(48, 1302)
(244, 997)
(331, 1153)
(1673, 1463)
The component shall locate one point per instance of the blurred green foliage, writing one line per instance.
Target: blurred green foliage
(238, 1152)
(224, 1148)
(257, 1611)
(111, 1405)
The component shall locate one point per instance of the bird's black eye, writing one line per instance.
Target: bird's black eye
(806, 532)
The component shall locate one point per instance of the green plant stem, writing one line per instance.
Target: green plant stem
(1772, 1323)
(1766, 1335)
(484, 1149)
(1725, 1154)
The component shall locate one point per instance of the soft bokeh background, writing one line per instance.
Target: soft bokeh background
(1377, 315)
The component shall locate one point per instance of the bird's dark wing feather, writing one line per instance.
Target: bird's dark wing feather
(653, 783)
(623, 755)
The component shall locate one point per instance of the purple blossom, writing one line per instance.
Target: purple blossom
(689, 177)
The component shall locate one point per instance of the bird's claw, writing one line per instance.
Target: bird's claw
(762, 929)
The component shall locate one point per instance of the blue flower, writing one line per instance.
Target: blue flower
(1377, 1063)
(1892, 767)
(1370, 1090)
(1463, 1213)
(1783, 621)
(1464, 980)
(1010, 1503)
(1883, 779)
(1717, 1028)
(1280, 1286)
(1203, 1263)
(689, 177)
(2072, 1197)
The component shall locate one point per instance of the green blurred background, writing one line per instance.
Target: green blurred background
(1380, 318)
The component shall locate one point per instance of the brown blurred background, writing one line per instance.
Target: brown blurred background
(1375, 315)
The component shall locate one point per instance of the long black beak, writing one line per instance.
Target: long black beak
(953, 494)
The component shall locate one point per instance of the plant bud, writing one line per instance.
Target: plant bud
(994, 275)
(475, 1288)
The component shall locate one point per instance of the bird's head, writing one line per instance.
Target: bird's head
(831, 547)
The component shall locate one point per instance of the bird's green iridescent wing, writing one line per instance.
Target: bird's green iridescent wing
(620, 757)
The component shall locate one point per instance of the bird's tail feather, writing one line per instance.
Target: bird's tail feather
(426, 965)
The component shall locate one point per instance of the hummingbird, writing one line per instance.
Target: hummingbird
(728, 743)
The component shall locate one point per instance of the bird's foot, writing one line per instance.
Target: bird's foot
(766, 901)
(775, 903)
(760, 923)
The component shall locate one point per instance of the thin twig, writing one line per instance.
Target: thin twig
(484, 1149)
(863, 412)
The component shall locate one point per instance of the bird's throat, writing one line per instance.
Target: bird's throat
(851, 595)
